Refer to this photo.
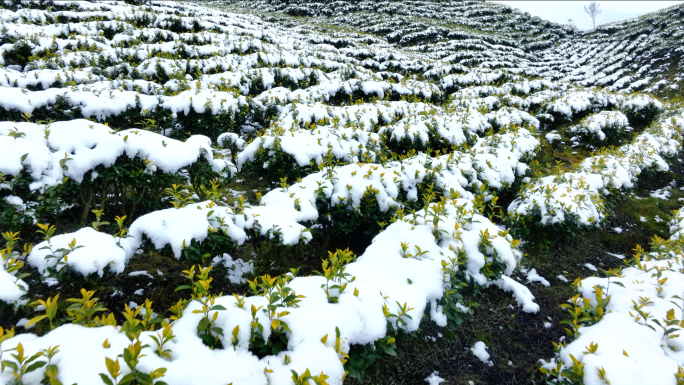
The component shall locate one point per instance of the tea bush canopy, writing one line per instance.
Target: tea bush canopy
(260, 192)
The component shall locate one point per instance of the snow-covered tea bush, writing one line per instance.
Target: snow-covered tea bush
(578, 103)
(301, 196)
(624, 326)
(641, 109)
(603, 128)
(573, 200)
(88, 165)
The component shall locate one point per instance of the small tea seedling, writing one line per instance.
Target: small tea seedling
(333, 271)
(131, 356)
(200, 286)
(22, 364)
(163, 338)
(50, 306)
(82, 310)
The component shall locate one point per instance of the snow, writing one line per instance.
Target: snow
(434, 379)
(140, 273)
(87, 144)
(521, 293)
(480, 351)
(236, 268)
(14, 200)
(356, 123)
(576, 102)
(11, 288)
(97, 251)
(618, 256)
(360, 319)
(643, 305)
(677, 225)
(646, 363)
(179, 227)
(601, 124)
(23, 322)
(533, 276)
(647, 355)
(663, 193)
(553, 137)
(577, 195)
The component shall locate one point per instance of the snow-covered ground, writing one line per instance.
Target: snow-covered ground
(152, 109)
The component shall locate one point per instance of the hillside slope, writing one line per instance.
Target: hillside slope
(233, 194)
(643, 53)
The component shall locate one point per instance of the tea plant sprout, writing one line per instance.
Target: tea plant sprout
(278, 295)
(61, 255)
(131, 357)
(162, 339)
(200, 286)
(11, 260)
(21, 364)
(50, 306)
(5, 334)
(83, 310)
(333, 271)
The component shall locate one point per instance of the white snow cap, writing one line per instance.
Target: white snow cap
(480, 351)
(434, 379)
